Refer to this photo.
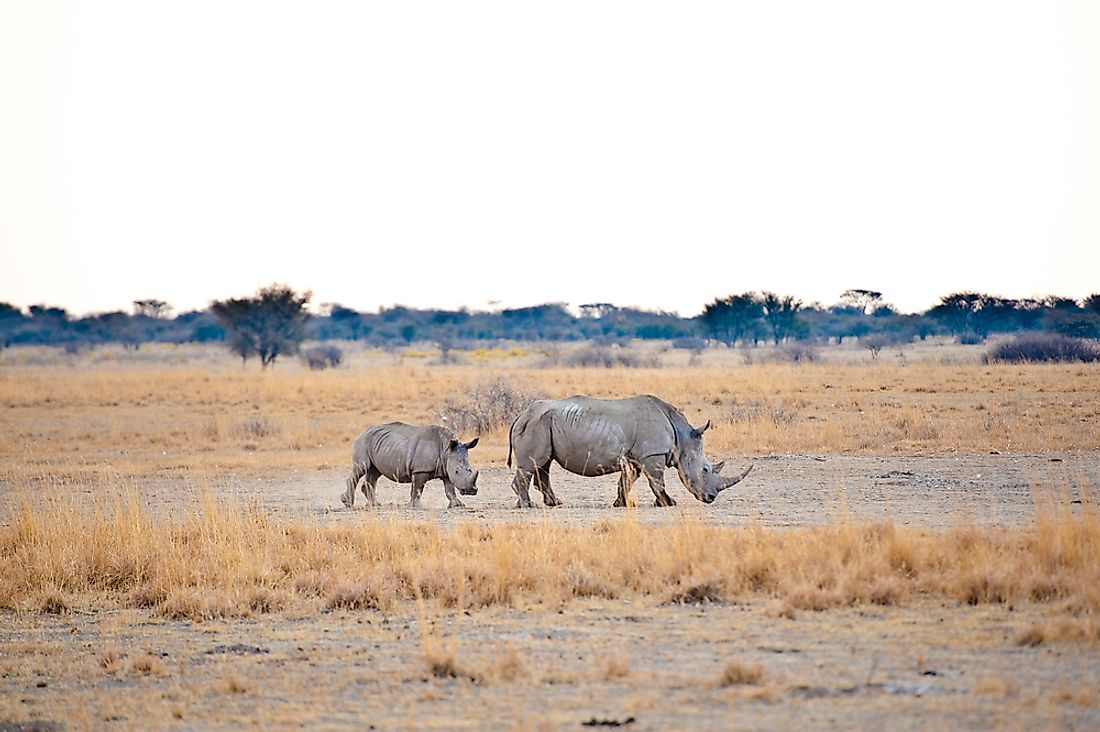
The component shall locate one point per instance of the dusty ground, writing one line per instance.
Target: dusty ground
(644, 666)
(783, 490)
(641, 664)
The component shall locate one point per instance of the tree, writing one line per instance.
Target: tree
(957, 311)
(11, 320)
(152, 308)
(731, 318)
(597, 309)
(863, 300)
(780, 313)
(349, 322)
(267, 325)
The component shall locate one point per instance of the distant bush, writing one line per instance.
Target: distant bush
(1035, 347)
(690, 343)
(971, 339)
(599, 357)
(486, 405)
(798, 352)
(757, 410)
(875, 342)
(321, 357)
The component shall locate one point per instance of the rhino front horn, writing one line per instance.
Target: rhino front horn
(727, 482)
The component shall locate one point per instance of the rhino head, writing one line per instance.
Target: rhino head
(456, 463)
(703, 480)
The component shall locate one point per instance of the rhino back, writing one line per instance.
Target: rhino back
(388, 449)
(426, 449)
(590, 436)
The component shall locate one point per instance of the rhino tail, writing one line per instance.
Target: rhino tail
(510, 430)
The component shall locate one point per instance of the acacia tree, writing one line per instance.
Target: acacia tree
(957, 311)
(152, 308)
(780, 313)
(732, 318)
(866, 301)
(267, 325)
(1092, 302)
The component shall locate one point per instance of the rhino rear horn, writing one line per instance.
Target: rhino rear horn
(728, 482)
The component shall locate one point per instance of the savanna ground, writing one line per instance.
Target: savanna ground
(917, 547)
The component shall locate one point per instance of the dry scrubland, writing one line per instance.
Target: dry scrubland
(155, 417)
(119, 615)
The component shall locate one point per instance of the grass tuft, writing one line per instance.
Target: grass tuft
(738, 673)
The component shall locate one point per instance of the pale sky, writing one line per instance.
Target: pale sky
(440, 154)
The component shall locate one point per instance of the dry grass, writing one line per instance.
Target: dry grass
(147, 665)
(225, 560)
(614, 668)
(103, 419)
(737, 673)
(236, 685)
(108, 659)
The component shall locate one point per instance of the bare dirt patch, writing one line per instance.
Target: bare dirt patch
(936, 491)
(918, 667)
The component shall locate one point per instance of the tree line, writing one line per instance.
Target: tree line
(275, 321)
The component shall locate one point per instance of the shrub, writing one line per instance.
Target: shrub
(600, 357)
(321, 357)
(761, 411)
(737, 673)
(875, 342)
(486, 405)
(1034, 347)
(690, 343)
(798, 352)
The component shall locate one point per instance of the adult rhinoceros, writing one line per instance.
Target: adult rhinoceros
(588, 436)
(407, 454)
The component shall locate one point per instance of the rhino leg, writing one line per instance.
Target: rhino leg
(418, 481)
(368, 486)
(654, 470)
(519, 485)
(348, 496)
(452, 498)
(542, 482)
(628, 473)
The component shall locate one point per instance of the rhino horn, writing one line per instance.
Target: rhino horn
(734, 480)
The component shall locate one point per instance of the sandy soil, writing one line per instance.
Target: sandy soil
(783, 490)
(640, 664)
(647, 667)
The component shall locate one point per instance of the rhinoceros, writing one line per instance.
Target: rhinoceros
(408, 454)
(640, 435)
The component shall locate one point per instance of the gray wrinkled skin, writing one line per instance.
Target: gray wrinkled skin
(640, 435)
(408, 454)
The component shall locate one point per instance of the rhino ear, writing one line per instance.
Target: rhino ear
(453, 445)
(472, 443)
(697, 432)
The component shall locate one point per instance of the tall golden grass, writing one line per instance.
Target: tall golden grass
(224, 560)
(138, 421)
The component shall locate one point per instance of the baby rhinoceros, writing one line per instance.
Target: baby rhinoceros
(408, 454)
